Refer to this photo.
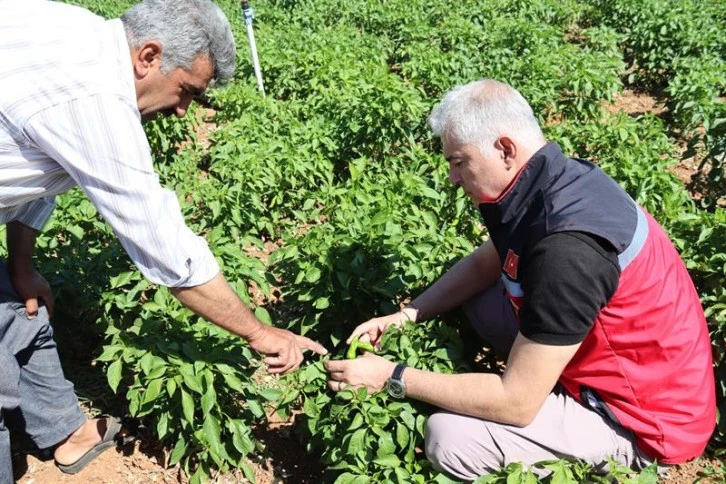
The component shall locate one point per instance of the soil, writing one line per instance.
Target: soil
(142, 459)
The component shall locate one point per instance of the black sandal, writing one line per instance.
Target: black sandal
(113, 426)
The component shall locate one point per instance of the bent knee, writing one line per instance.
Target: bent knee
(461, 446)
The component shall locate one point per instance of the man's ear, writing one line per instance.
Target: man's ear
(147, 57)
(508, 148)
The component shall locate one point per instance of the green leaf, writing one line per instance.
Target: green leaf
(234, 383)
(270, 394)
(178, 452)
(256, 408)
(390, 460)
(170, 387)
(313, 275)
(263, 315)
(200, 476)
(187, 406)
(345, 478)
(114, 374)
(162, 425)
(322, 303)
(152, 391)
(212, 434)
(357, 422)
(191, 380)
(649, 475)
(402, 435)
(248, 472)
(385, 445)
(357, 441)
(109, 353)
(209, 399)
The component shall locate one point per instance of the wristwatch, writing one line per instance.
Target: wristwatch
(395, 384)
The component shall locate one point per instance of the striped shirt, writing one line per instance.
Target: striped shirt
(68, 116)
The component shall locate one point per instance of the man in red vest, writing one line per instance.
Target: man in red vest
(578, 288)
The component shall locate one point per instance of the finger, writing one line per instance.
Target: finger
(336, 385)
(296, 363)
(336, 375)
(308, 344)
(31, 307)
(336, 365)
(373, 336)
(359, 330)
(278, 366)
(275, 361)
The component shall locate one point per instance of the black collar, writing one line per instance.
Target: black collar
(534, 176)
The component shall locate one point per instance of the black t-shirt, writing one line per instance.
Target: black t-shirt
(567, 279)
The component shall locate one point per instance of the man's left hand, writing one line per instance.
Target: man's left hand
(370, 371)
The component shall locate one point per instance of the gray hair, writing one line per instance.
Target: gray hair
(481, 112)
(186, 29)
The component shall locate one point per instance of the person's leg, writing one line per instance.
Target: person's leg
(9, 398)
(492, 316)
(48, 405)
(468, 447)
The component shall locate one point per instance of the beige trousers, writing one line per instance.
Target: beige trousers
(468, 447)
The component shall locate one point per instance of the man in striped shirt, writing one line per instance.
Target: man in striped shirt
(75, 89)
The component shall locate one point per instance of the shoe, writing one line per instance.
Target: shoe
(113, 426)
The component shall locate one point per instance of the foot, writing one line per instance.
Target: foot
(80, 441)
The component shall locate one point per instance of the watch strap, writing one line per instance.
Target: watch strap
(398, 372)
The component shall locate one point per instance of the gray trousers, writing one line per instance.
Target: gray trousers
(32, 384)
(468, 447)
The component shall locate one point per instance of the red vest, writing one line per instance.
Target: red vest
(647, 360)
(648, 356)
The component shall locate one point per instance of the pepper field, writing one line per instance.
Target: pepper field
(327, 202)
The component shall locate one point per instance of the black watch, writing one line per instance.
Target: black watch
(395, 385)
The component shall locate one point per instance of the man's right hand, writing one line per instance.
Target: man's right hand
(373, 329)
(32, 288)
(283, 348)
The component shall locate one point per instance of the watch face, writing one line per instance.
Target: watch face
(396, 389)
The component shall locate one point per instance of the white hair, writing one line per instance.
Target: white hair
(481, 112)
(186, 29)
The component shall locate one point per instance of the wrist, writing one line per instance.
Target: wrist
(255, 332)
(411, 313)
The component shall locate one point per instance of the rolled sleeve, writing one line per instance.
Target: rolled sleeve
(99, 141)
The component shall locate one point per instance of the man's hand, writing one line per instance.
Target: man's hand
(29, 285)
(32, 289)
(370, 371)
(284, 349)
(372, 330)
(217, 303)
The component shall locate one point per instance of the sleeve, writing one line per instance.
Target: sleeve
(99, 141)
(35, 214)
(568, 279)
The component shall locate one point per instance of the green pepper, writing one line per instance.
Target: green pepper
(366, 346)
(357, 344)
(352, 349)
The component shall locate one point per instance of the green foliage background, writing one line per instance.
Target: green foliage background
(335, 174)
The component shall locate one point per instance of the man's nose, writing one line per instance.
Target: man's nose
(454, 177)
(183, 106)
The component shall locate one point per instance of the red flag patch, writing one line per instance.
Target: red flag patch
(511, 264)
